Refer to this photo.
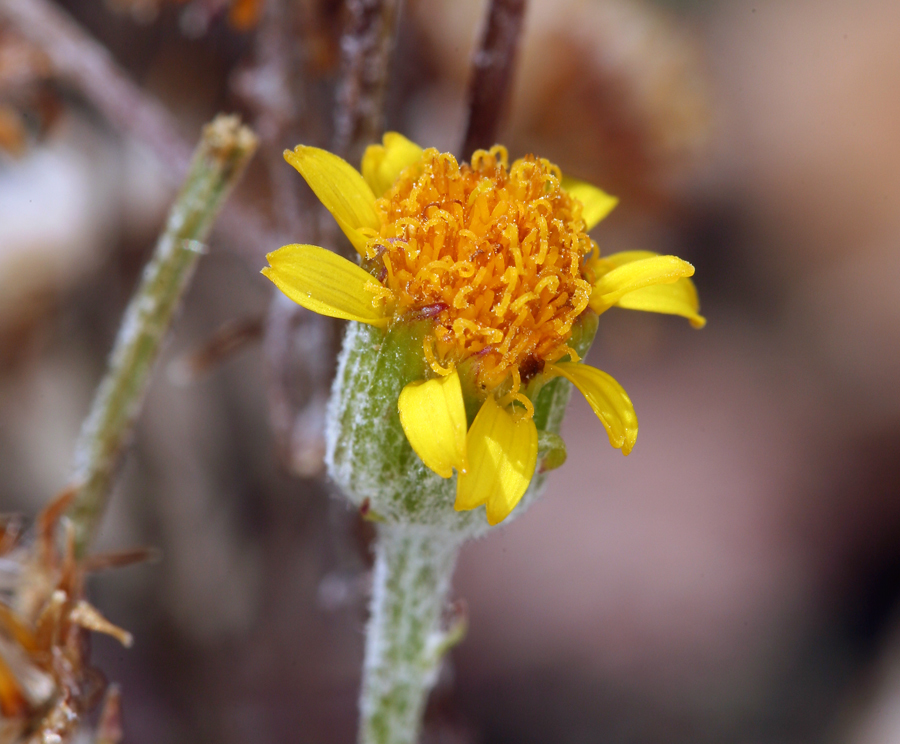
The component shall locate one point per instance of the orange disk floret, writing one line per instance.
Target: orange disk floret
(493, 254)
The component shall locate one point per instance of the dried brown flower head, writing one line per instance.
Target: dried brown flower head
(47, 684)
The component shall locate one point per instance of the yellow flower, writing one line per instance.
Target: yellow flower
(497, 259)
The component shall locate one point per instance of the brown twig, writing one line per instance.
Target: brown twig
(492, 73)
(297, 343)
(300, 346)
(231, 338)
(274, 87)
(367, 46)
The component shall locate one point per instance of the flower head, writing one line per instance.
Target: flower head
(493, 265)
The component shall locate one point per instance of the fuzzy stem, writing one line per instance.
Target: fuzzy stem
(224, 150)
(405, 639)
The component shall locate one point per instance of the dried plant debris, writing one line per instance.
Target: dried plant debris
(47, 684)
(21, 63)
(197, 15)
(28, 103)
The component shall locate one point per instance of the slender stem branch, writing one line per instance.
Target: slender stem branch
(404, 639)
(492, 73)
(225, 148)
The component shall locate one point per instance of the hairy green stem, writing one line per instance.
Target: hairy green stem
(224, 149)
(405, 639)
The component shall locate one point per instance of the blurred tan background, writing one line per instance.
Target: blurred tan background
(735, 579)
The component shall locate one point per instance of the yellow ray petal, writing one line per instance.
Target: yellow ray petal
(615, 276)
(597, 203)
(679, 298)
(326, 283)
(613, 260)
(502, 452)
(433, 417)
(341, 188)
(606, 396)
(383, 164)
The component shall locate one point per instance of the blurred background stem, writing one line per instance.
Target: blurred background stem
(225, 148)
(491, 78)
(367, 47)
